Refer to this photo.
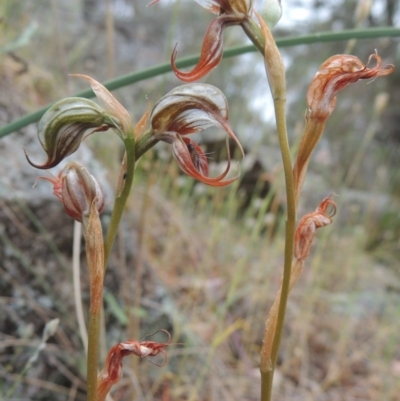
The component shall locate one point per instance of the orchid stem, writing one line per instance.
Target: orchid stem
(254, 33)
(262, 38)
(121, 199)
(95, 261)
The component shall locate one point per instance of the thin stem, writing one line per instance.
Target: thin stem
(120, 200)
(290, 222)
(268, 363)
(318, 37)
(93, 352)
(311, 135)
(254, 33)
(276, 77)
(95, 261)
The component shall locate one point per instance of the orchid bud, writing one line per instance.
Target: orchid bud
(64, 125)
(77, 189)
(272, 12)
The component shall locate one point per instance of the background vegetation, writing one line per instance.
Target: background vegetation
(201, 262)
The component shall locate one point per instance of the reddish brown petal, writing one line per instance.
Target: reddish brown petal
(112, 371)
(183, 150)
(211, 51)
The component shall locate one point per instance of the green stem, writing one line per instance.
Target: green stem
(290, 223)
(161, 69)
(276, 77)
(268, 366)
(121, 199)
(145, 143)
(93, 352)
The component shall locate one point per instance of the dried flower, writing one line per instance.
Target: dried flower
(230, 12)
(334, 75)
(186, 110)
(112, 371)
(308, 224)
(76, 189)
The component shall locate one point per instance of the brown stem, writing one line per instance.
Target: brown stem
(95, 260)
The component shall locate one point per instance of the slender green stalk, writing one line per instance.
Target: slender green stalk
(276, 77)
(93, 352)
(290, 222)
(268, 364)
(121, 199)
(161, 69)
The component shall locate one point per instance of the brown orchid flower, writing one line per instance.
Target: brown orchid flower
(112, 371)
(77, 189)
(309, 223)
(333, 75)
(189, 109)
(230, 12)
(304, 237)
(69, 121)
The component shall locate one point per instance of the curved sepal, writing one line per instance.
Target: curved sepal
(122, 119)
(211, 50)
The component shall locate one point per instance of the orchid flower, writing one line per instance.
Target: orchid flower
(230, 12)
(186, 110)
(77, 189)
(112, 371)
(68, 122)
(332, 76)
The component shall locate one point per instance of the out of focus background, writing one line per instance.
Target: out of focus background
(203, 263)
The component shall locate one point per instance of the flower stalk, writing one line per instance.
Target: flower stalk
(127, 173)
(276, 76)
(95, 260)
